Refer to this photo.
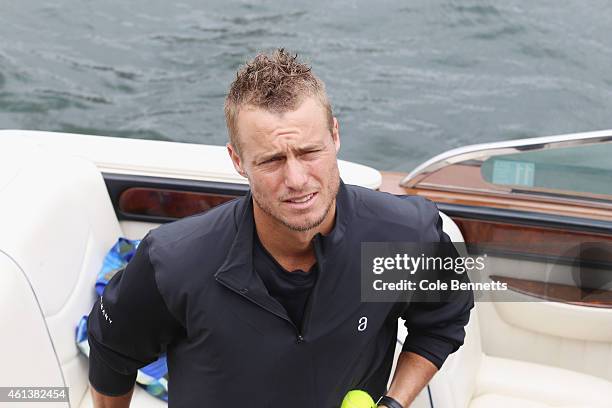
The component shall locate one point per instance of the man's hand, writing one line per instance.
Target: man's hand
(105, 401)
(412, 373)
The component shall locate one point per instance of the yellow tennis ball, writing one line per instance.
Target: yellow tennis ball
(357, 399)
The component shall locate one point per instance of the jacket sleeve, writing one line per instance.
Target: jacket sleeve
(436, 329)
(129, 326)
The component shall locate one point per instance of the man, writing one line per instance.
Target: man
(257, 301)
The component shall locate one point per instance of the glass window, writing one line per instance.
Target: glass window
(567, 170)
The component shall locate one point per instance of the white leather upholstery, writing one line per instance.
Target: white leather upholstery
(500, 401)
(57, 225)
(450, 228)
(561, 335)
(471, 379)
(514, 339)
(549, 386)
(559, 319)
(136, 229)
(26, 352)
(454, 386)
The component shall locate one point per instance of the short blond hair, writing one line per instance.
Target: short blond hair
(277, 83)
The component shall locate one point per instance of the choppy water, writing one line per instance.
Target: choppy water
(408, 79)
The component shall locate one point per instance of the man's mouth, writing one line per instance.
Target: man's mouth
(302, 202)
(302, 199)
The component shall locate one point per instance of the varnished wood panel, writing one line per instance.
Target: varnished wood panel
(558, 293)
(505, 200)
(168, 203)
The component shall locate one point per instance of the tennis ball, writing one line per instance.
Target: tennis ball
(358, 399)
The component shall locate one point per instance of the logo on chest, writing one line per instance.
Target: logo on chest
(362, 324)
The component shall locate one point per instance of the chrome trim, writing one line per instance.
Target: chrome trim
(481, 152)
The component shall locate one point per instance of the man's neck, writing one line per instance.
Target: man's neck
(291, 249)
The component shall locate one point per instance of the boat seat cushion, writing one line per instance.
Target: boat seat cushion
(470, 378)
(504, 380)
(58, 223)
(503, 401)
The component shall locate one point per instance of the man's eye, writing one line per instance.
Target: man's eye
(272, 160)
(310, 155)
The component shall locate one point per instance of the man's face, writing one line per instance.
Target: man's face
(290, 161)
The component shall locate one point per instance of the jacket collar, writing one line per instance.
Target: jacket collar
(237, 268)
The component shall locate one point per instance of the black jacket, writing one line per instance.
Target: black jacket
(191, 290)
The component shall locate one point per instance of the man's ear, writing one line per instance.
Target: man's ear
(336, 134)
(236, 160)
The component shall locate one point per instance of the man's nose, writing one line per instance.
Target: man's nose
(296, 174)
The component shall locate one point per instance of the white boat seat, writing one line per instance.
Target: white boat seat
(502, 382)
(471, 379)
(57, 224)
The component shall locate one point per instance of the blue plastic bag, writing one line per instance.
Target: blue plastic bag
(154, 377)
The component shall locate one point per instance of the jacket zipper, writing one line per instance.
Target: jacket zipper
(300, 337)
(311, 298)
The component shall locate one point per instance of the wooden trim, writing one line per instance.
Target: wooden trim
(511, 201)
(527, 237)
(390, 182)
(467, 177)
(159, 202)
(555, 292)
(581, 250)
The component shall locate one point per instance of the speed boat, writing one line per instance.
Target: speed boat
(543, 206)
